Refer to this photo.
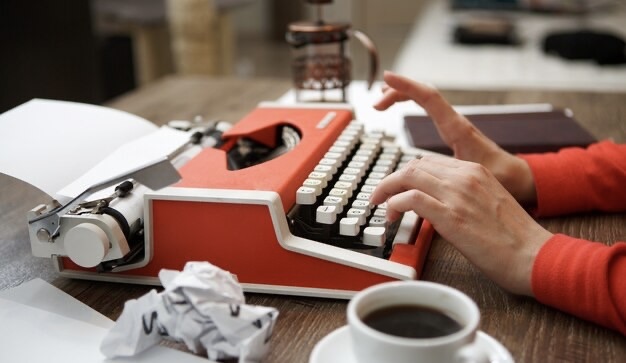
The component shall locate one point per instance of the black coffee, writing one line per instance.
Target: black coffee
(412, 321)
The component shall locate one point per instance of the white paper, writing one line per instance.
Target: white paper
(39, 294)
(50, 143)
(136, 153)
(43, 324)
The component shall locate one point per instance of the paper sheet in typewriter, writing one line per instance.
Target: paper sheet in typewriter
(64, 147)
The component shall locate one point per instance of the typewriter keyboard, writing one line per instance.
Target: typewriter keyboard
(332, 205)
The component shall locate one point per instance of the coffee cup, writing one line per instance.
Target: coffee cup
(416, 322)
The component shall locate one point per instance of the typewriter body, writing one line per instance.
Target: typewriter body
(280, 201)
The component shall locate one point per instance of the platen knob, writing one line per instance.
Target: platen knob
(86, 244)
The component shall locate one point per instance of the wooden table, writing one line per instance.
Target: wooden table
(532, 332)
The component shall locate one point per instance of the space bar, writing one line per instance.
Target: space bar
(414, 254)
(407, 230)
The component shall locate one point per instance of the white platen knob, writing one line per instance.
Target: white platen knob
(86, 244)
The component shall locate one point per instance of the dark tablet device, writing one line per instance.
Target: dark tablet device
(524, 132)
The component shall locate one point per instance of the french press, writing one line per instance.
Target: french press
(320, 56)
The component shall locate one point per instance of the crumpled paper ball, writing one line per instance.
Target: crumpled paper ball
(202, 306)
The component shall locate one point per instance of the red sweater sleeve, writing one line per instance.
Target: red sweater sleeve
(583, 278)
(577, 180)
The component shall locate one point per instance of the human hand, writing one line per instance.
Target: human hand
(467, 142)
(470, 209)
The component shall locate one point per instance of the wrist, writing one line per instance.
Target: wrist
(517, 177)
(533, 246)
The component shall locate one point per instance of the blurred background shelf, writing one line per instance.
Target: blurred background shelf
(94, 50)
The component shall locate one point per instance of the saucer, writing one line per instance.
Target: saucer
(336, 347)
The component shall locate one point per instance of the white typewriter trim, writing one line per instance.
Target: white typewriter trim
(284, 236)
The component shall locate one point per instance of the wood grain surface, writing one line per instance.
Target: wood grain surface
(532, 332)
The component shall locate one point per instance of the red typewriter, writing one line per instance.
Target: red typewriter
(282, 202)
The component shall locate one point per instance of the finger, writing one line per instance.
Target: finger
(426, 96)
(418, 174)
(415, 200)
(450, 124)
(390, 96)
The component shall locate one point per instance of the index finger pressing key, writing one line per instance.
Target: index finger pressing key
(416, 175)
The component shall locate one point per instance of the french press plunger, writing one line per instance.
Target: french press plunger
(320, 62)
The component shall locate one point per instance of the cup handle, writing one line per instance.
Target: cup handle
(472, 353)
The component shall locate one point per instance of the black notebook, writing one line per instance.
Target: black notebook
(518, 132)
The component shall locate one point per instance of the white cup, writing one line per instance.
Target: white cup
(373, 346)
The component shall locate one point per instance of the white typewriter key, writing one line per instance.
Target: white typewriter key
(351, 140)
(361, 158)
(374, 236)
(326, 214)
(391, 150)
(384, 162)
(324, 169)
(345, 185)
(378, 222)
(333, 163)
(376, 175)
(352, 179)
(368, 146)
(341, 143)
(334, 155)
(348, 188)
(354, 134)
(391, 157)
(323, 177)
(358, 173)
(379, 212)
(356, 164)
(315, 184)
(358, 214)
(372, 142)
(382, 205)
(349, 226)
(336, 202)
(355, 125)
(305, 196)
(386, 170)
(372, 181)
(365, 152)
(364, 205)
(407, 228)
(368, 188)
(370, 137)
(363, 196)
(343, 151)
(339, 193)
